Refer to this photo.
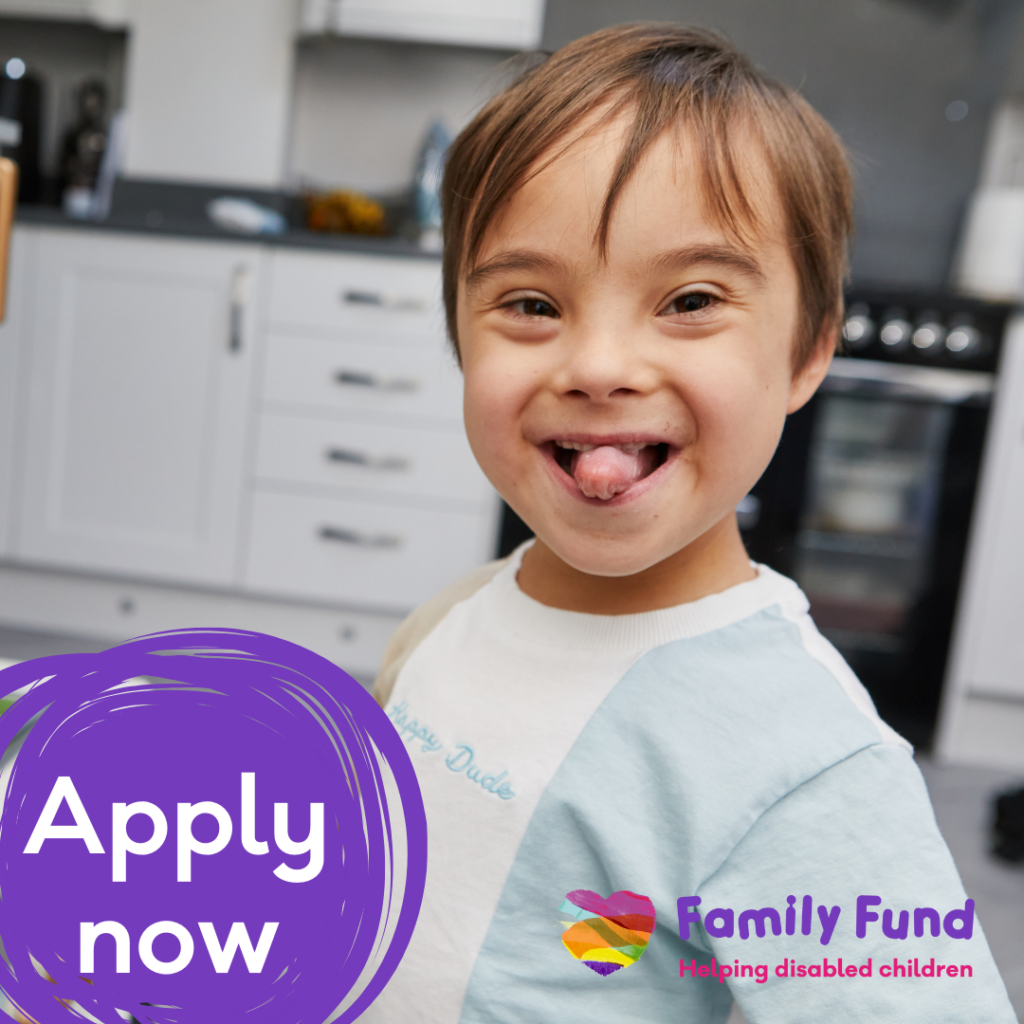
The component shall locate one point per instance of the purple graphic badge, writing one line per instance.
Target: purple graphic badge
(202, 826)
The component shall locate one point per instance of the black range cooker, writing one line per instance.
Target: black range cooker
(869, 498)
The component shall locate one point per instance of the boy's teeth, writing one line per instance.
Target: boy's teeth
(578, 446)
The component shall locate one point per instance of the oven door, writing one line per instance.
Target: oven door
(867, 505)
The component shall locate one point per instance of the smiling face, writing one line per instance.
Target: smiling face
(624, 403)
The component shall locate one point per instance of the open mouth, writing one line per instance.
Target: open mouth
(605, 470)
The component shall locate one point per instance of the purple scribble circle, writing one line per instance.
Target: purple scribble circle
(249, 748)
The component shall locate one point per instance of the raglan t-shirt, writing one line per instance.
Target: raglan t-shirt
(719, 750)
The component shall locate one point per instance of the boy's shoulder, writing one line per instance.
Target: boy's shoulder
(421, 622)
(751, 640)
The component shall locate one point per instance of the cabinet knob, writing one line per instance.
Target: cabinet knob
(363, 379)
(395, 463)
(382, 300)
(343, 535)
(236, 314)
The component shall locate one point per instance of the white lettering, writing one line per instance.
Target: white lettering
(180, 932)
(313, 844)
(238, 938)
(88, 933)
(121, 844)
(188, 844)
(249, 841)
(63, 791)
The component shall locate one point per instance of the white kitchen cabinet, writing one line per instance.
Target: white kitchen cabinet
(503, 24)
(195, 432)
(141, 356)
(207, 84)
(108, 13)
(366, 490)
(983, 703)
(365, 371)
(362, 553)
(425, 462)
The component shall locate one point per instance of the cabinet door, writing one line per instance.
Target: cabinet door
(141, 359)
(506, 24)
(108, 13)
(992, 660)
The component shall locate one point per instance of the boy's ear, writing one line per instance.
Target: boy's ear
(807, 379)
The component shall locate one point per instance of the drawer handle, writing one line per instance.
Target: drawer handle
(362, 379)
(394, 463)
(381, 300)
(360, 540)
(236, 313)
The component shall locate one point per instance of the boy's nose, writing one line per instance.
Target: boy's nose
(605, 365)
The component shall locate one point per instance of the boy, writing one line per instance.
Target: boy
(644, 255)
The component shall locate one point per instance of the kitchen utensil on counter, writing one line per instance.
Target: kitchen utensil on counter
(245, 217)
(82, 151)
(427, 185)
(8, 193)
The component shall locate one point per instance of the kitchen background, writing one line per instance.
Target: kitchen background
(215, 414)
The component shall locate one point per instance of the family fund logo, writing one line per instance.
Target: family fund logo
(202, 826)
(606, 934)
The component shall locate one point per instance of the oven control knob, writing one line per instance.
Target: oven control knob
(964, 341)
(929, 336)
(858, 328)
(895, 334)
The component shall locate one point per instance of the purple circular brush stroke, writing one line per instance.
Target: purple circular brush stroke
(221, 702)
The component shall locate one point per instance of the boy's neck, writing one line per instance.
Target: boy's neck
(714, 562)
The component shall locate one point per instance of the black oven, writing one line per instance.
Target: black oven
(867, 503)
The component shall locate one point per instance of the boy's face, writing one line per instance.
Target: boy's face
(624, 405)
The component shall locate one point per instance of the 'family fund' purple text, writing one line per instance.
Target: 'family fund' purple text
(724, 923)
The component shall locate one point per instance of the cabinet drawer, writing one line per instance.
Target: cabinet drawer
(360, 553)
(433, 463)
(366, 375)
(327, 292)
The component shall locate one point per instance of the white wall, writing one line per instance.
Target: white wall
(360, 107)
(207, 87)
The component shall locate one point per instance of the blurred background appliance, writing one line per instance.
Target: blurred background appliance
(868, 501)
(20, 104)
(82, 150)
(989, 261)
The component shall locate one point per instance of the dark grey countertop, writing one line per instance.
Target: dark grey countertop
(173, 210)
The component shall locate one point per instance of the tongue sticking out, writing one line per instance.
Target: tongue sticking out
(606, 471)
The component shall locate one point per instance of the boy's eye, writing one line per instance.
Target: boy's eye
(690, 302)
(532, 307)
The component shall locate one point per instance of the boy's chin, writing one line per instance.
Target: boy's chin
(606, 557)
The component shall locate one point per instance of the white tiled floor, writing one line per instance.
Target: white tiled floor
(962, 799)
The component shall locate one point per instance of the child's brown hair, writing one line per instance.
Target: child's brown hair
(667, 75)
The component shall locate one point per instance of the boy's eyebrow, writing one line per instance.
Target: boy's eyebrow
(723, 255)
(517, 259)
(675, 259)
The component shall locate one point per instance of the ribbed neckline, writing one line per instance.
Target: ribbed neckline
(530, 620)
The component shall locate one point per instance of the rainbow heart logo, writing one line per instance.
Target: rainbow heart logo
(606, 934)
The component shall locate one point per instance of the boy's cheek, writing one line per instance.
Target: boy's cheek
(490, 422)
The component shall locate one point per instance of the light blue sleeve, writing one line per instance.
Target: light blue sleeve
(732, 766)
(863, 827)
